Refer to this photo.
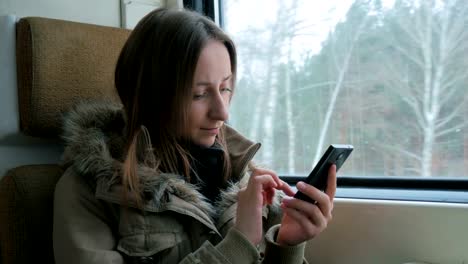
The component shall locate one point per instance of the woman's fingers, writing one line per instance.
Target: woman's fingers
(259, 191)
(309, 227)
(260, 171)
(286, 189)
(269, 193)
(304, 220)
(323, 200)
(308, 212)
(331, 183)
(262, 182)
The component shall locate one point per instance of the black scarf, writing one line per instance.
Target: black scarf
(207, 170)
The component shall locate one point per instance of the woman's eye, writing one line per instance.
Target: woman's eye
(199, 96)
(224, 90)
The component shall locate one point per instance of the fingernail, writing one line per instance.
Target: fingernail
(300, 184)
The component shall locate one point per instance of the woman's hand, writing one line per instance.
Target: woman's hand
(302, 220)
(259, 191)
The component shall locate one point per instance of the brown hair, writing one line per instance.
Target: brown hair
(153, 77)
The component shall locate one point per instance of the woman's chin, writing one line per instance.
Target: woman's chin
(205, 142)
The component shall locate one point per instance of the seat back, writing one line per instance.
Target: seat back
(26, 213)
(58, 64)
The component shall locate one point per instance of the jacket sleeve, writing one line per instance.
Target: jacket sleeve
(275, 253)
(81, 233)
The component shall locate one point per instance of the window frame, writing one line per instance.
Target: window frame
(424, 189)
(207, 8)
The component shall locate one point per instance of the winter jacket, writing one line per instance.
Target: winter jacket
(94, 223)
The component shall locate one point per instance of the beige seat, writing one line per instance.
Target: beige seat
(59, 63)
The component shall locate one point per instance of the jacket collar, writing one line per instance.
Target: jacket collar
(94, 138)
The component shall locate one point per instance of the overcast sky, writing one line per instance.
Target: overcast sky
(320, 16)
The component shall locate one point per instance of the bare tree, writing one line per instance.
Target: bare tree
(265, 113)
(291, 128)
(428, 75)
(341, 59)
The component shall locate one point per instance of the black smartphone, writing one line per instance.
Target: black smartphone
(335, 154)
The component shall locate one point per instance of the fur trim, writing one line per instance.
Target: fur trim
(95, 141)
(93, 134)
(229, 197)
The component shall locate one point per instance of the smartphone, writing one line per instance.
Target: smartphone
(335, 154)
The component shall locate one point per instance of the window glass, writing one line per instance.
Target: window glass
(389, 77)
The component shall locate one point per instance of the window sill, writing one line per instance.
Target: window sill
(443, 190)
(441, 196)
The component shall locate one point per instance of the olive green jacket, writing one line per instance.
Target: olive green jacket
(176, 224)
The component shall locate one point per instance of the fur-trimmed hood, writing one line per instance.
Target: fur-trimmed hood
(94, 143)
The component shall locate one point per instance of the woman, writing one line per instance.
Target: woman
(165, 180)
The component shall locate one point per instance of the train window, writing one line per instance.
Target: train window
(388, 77)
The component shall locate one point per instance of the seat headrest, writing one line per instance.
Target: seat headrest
(60, 63)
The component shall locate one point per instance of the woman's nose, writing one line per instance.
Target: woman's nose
(219, 109)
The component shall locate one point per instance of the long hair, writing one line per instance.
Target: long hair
(154, 77)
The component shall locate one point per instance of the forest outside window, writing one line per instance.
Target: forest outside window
(389, 77)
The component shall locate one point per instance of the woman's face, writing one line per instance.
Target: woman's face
(211, 94)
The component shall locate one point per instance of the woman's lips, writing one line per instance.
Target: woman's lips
(213, 131)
